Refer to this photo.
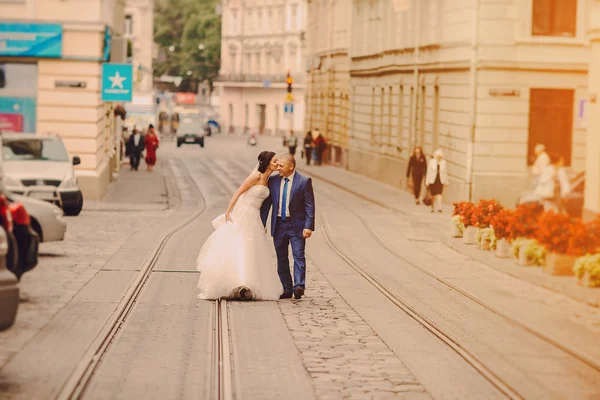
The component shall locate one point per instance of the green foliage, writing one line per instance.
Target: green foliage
(185, 24)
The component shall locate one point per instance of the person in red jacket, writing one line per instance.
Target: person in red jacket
(151, 142)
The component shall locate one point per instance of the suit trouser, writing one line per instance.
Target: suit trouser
(134, 159)
(284, 236)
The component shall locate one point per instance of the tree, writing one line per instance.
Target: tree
(183, 26)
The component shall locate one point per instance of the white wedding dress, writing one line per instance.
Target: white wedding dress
(238, 253)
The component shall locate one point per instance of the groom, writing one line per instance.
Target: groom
(292, 221)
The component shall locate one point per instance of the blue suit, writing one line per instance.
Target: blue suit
(285, 232)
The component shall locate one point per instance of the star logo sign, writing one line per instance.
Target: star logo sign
(117, 80)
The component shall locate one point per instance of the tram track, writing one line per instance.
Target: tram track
(82, 376)
(452, 342)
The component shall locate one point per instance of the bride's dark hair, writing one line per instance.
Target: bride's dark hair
(264, 159)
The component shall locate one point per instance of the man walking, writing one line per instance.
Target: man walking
(292, 222)
(135, 148)
(292, 143)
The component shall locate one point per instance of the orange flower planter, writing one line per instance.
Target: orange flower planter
(559, 264)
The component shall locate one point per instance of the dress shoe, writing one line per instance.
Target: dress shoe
(245, 293)
(286, 295)
(298, 292)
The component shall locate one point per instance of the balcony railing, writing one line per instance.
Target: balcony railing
(259, 78)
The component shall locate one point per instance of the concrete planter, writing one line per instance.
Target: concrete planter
(559, 264)
(485, 244)
(589, 281)
(503, 249)
(455, 230)
(524, 260)
(470, 235)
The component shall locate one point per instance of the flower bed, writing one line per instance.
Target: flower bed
(561, 244)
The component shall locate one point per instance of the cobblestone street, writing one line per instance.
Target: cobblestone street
(393, 308)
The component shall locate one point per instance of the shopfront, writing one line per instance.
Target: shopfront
(21, 45)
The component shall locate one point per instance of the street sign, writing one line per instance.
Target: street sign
(289, 98)
(288, 109)
(117, 82)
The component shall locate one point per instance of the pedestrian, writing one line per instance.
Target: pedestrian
(135, 147)
(416, 172)
(437, 178)
(553, 185)
(292, 143)
(541, 162)
(320, 146)
(308, 146)
(151, 143)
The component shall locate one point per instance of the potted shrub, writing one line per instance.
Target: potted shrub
(587, 270)
(502, 223)
(457, 220)
(554, 233)
(531, 253)
(470, 231)
(487, 239)
(524, 220)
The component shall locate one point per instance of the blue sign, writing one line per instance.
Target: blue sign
(31, 40)
(117, 82)
(107, 38)
(288, 108)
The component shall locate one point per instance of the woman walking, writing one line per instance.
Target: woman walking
(437, 178)
(308, 146)
(417, 170)
(151, 141)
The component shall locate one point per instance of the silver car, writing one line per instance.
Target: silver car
(47, 220)
(38, 166)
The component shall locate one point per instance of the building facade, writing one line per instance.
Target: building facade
(592, 171)
(262, 40)
(328, 81)
(139, 33)
(483, 81)
(51, 55)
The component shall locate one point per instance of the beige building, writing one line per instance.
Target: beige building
(592, 170)
(139, 32)
(328, 81)
(484, 81)
(261, 43)
(53, 81)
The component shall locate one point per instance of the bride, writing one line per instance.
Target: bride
(235, 261)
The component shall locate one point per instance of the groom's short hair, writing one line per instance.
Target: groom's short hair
(291, 158)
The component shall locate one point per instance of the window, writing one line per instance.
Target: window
(128, 25)
(34, 150)
(234, 23)
(372, 114)
(381, 115)
(250, 20)
(259, 18)
(400, 115)
(422, 106)
(389, 116)
(551, 122)
(554, 18)
(294, 16)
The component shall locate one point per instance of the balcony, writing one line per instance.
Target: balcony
(264, 79)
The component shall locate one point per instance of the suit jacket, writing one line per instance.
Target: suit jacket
(432, 172)
(302, 204)
(132, 148)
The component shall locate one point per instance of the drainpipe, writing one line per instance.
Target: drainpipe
(473, 84)
(415, 95)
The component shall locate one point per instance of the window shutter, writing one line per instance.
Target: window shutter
(541, 22)
(565, 18)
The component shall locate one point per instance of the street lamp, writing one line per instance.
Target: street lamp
(201, 46)
(189, 73)
(171, 48)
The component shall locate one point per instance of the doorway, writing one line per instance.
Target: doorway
(261, 111)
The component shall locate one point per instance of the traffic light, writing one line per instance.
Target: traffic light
(289, 81)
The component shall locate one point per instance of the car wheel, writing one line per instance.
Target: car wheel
(178, 143)
(202, 142)
(37, 228)
(75, 210)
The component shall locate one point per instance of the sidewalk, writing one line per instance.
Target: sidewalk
(135, 191)
(438, 226)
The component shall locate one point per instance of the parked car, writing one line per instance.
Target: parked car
(27, 240)
(38, 166)
(9, 291)
(47, 220)
(191, 131)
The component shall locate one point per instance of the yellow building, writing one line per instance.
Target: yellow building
(484, 81)
(592, 170)
(51, 54)
(328, 94)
